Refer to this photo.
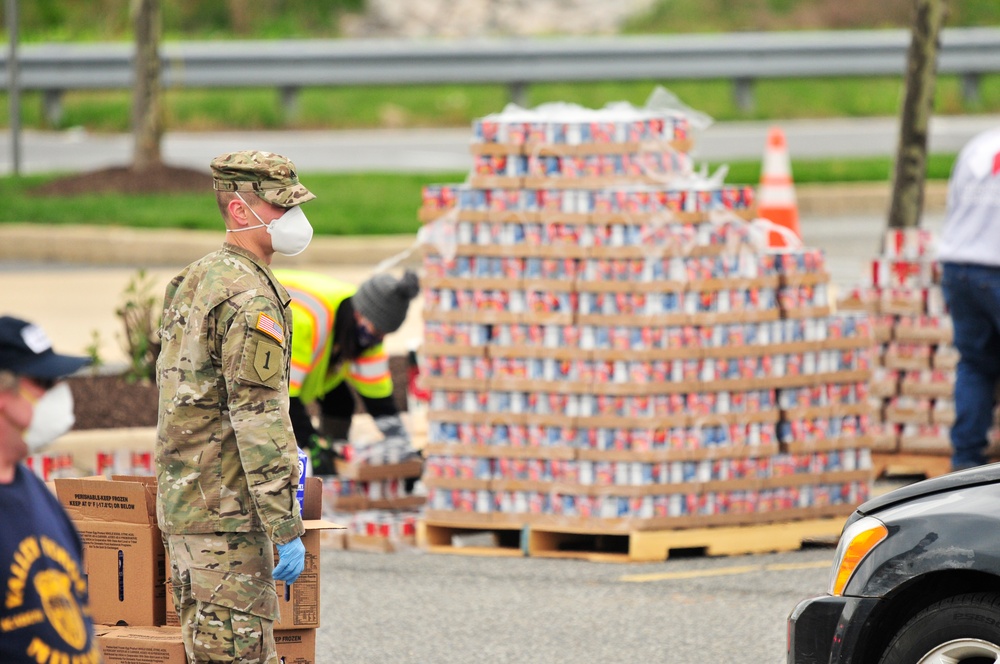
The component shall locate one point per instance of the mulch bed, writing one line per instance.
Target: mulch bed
(158, 179)
(110, 402)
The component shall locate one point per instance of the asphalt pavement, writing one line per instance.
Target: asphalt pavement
(452, 609)
(443, 150)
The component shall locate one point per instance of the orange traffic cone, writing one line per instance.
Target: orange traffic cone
(776, 198)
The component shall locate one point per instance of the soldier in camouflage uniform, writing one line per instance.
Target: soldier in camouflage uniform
(226, 458)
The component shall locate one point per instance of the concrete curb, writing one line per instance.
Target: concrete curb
(117, 246)
(861, 198)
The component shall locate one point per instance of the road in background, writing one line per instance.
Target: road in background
(436, 150)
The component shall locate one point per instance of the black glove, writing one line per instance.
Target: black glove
(322, 455)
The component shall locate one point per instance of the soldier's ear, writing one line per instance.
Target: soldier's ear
(7, 397)
(238, 213)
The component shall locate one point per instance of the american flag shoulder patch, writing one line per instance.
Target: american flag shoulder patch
(270, 327)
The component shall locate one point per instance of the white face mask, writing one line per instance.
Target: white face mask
(51, 417)
(290, 233)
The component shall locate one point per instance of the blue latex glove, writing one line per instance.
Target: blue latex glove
(291, 561)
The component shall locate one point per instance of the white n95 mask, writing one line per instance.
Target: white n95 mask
(290, 233)
(51, 417)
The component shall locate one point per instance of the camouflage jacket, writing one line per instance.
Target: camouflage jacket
(226, 459)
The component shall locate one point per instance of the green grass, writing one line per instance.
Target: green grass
(351, 204)
(458, 105)
(111, 20)
(875, 169)
(354, 204)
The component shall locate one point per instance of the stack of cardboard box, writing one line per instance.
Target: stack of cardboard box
(914, 376)
(125, 565)
(606, 341)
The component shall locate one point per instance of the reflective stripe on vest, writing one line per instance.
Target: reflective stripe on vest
(371, 369)
(368, 374)
(320, 324)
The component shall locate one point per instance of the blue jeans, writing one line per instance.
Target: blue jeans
(972, 293)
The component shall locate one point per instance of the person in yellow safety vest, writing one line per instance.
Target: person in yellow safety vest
(337, 332)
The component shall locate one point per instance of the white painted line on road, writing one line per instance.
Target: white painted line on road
(722, 571)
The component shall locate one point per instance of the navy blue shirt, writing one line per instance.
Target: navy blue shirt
(44, 614)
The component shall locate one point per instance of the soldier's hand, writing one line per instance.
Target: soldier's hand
(291, 561)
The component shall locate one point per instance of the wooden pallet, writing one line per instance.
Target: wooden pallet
(361, 503)
(440, 537)
(343, 541)
(913, 464)
(657, 545)
(366, 473)
(635, 546)
(910, 465)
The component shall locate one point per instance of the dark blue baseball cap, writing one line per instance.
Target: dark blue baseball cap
(25, 350)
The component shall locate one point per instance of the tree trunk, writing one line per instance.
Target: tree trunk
(918, 104)
(239, 16)
(147, 119)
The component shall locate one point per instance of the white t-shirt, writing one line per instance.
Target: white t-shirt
(972, 227)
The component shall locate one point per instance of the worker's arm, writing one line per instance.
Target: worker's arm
(301, 423)
(390, 425)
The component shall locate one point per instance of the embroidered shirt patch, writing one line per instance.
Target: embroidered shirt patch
(270, 327)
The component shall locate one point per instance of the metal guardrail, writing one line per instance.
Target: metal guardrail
(517, 63)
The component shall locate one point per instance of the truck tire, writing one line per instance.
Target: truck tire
(964, 628)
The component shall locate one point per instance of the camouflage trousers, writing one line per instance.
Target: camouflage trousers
(224, 595)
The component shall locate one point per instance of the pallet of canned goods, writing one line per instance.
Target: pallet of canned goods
(611, 347)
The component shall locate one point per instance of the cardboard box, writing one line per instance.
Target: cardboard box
(378, 543)
(296, 646)
(885, 438)
(928, 383)
(370, 473)
(164, 645)
(908, 410)
(943, 412)
(945, 357)
(141, 645)
(171, 619)
(299, 603)
(123, 554)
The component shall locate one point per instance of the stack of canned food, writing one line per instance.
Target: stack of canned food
(611, 340)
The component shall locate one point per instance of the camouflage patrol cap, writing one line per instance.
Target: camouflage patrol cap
(269, 175)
